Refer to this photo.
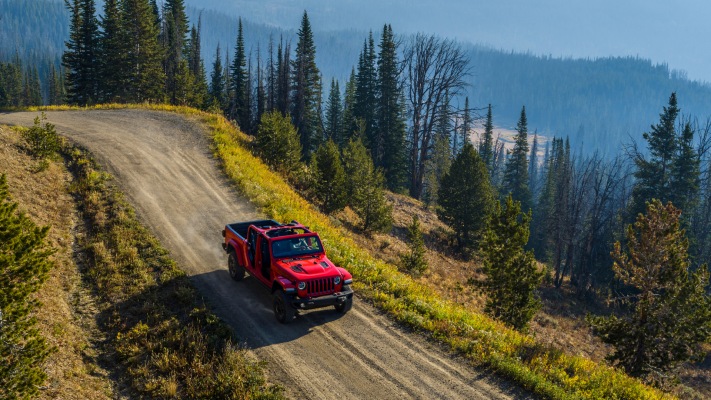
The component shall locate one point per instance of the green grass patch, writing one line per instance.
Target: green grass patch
(543, 370)
(167, 343)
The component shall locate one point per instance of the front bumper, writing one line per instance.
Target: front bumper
(323, 301)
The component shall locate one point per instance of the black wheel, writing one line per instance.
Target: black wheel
(283, 311)
(345, 306)
(236, 270)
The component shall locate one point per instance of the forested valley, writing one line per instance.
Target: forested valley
(624, 176)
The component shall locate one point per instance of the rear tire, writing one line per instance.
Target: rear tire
(345, 306)
(236, 270)
(283, 311)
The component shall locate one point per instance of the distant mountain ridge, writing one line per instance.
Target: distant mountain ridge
(599, 103)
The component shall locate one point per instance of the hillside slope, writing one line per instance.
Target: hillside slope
(164, 165)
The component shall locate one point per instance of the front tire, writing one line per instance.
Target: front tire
(236, 270)
(345, 306)
(283, 311)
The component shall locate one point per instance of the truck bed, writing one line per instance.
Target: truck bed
(240, 228)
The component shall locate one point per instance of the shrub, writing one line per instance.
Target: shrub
(42, 141)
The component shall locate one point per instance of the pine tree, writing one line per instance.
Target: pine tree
(466, 197)
(145, 78)
(512, 276)
(81, 56)
(516, 173)
(277, 143)
(334, 114)
(365, 100)
(239, 86)
(486, 145)
(414, 261)
(113, 46)
(306, 90)
(461, 136)
(329, 178)
(670, 314)
(283, 84)
(261, 92)
(198, 90)
(533, 168)
(350, 124)
(175, 31)
(671, 173)
(390, 120)
(365, 188)
(217, 83)
(24, 266)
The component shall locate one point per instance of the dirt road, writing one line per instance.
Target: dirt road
(163, 163)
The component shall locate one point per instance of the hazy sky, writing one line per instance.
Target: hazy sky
(676, 32)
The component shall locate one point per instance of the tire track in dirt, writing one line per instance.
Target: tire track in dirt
(163, 163)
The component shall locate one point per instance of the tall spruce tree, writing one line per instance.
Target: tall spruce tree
(239, 84)
(366, 99)
(461, 135)
(24, 266)
(144, 75)
(516, 173)
(512, 276)
(671, 172)
(81, 56)
(113, 47)
(283, 84)
(390, 119)
(466, 197)
(334, 114)
(350, 123)
(176, 28)
(486, 144)
(670, 313)
(306, 89)
(217, 83)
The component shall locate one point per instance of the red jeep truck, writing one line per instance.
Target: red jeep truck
(289, 260)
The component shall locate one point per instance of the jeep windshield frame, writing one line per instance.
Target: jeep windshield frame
(296, 246)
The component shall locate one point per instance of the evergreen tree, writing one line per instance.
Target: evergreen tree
(145, 78)
(113, 46)
(461, 136)
(334, 114)
(414, 261)
(306, 90)
(670, 313)
(365, 100)
(217, 82)
(486, 144)
(277, 143)
(516, 173)
(671, 173)
(329, 177)
(271, 77)
(390, 121)
(350, 123)
(533, 168)
(81, 56)
(176, 28)
(283, 84)
(239, 87)
(198, 88)
(365, 188)
(512, 276)
(261, 92)
(24, 266)
(465, 197)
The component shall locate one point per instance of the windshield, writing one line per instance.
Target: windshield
(296, 247)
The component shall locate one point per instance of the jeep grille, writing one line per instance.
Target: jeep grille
(320, 287)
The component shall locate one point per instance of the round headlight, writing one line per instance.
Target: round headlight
(302, 285)
(337, 280)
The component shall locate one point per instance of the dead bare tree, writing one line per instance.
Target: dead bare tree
(433, 67)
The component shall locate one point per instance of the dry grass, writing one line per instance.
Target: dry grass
(66, 317)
